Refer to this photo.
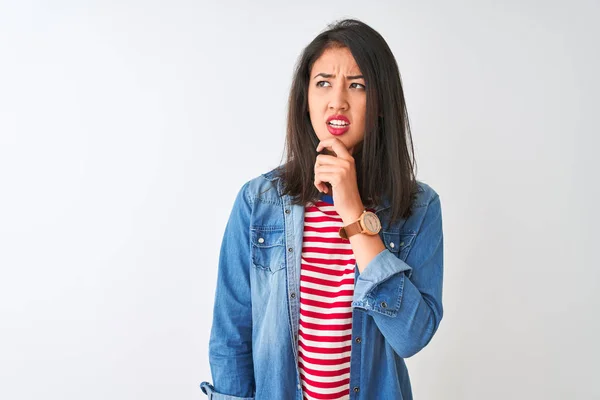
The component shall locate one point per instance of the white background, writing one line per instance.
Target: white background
(127, 128)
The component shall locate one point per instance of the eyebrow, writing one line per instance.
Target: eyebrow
(324, 75)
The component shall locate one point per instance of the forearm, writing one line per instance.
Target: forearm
(407, 310)
(365, 247)
(406, 316)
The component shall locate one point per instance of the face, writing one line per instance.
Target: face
(336, 89)
(372, 222)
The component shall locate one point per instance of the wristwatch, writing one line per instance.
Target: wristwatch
(367, 223)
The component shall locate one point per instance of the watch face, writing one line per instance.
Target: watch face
(372, 222)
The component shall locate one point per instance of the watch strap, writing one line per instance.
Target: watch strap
(351, 229)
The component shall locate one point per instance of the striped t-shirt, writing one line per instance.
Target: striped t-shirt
(326, 290)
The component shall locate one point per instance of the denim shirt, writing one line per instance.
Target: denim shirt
(396, 307)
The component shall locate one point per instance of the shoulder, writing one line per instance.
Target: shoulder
(425, 194)
(426, 208)
(262, 188)
(425, 204)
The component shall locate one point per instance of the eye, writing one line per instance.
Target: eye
(319, 83)
(359, 84)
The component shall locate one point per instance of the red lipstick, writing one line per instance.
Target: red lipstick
(339, 126)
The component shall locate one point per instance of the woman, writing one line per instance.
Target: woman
(331, 265)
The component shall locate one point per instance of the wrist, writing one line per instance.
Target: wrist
(351, 216)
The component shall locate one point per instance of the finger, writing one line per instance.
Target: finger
(326, 145)
(333, 169)
(328, 173)
(329, 177)
(321, 187)
(328, 151)
(326, 176)
(322, 159)
(337, 146)
(320, 184)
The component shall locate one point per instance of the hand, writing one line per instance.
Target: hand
(340, 172)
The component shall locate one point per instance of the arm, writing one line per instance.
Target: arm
(230, 344)
(407, 311)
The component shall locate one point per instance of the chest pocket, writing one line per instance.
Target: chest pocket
(399, 243)
(268, 248)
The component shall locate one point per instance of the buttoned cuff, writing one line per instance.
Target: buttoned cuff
(380, 286)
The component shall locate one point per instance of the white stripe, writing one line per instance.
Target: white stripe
(327, 277)
(325, 390)
(339, 398)
(340, 266)
(322, 209)
(323, 224)
(327, 246)
(323, 321)
(319, 367)
(328, 256)
(345, 286)
(325, 379)
(325, 310)
(325, 344)
(334, 234)
(319, 356)
(320, 332)
(324, 299)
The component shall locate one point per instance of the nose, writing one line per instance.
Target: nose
(338, 99)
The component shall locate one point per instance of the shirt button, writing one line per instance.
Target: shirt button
(356, 389)
(358, 340)
(261, 240)
(392, 245)
(293, 295)
(383, 304)
(290, 249)
(287, 210)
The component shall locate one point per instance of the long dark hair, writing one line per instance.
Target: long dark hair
(384, 165)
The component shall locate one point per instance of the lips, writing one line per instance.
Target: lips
(338, 124)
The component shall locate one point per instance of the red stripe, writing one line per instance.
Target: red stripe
(321, 304)
(327, 271)
(324, 350)
(325, 282)
(314, 314)
(326, 212)
(329, 262)
(316, 338)
(323, 218)
(324, 373)
(326, 327)
(323, 396)
(326, 385)
(325, 239)
(308, 228)
(323, 293)
(328, 250)
(335, 361)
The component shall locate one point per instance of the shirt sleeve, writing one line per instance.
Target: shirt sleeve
(230, 344)
(407, 311)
